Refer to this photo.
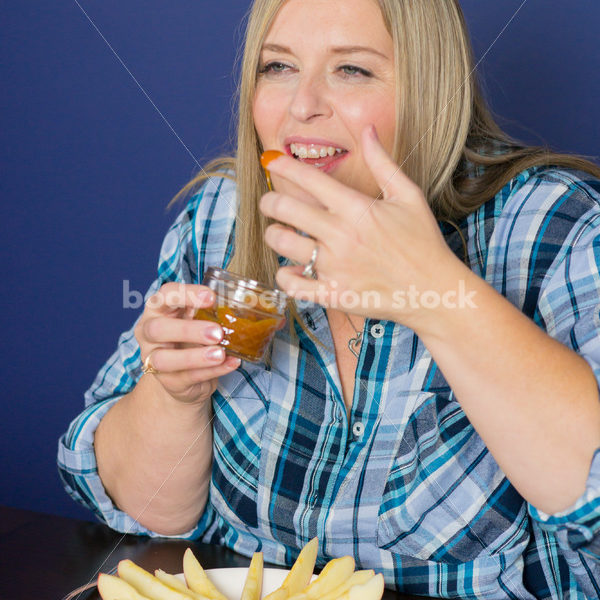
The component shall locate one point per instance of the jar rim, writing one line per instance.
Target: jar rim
(222, 274)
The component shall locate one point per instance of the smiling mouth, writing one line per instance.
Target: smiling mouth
(321, 157)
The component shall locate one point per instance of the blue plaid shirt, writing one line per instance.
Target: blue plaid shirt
(405, 484)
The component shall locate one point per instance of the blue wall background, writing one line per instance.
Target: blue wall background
(88, 166)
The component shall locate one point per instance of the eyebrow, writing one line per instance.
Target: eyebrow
(332, 49)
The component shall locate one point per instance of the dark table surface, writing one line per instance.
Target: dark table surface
(44, 557)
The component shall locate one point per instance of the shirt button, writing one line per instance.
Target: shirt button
(358, 429)
(377, 330)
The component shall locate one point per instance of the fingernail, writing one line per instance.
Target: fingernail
(204, 296)
(214, 333)
(268, 156)
(232, 361)
(215, 354)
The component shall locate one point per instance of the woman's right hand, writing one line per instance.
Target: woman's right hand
(185, 352)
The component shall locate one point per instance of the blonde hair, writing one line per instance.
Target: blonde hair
(444, 130)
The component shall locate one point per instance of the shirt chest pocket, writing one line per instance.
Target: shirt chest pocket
(445, 498)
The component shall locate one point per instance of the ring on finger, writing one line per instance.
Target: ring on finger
(309, 269)
(147, 368)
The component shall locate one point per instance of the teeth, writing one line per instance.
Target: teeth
(313, 151)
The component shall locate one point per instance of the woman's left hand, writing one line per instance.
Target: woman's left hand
(376, 256)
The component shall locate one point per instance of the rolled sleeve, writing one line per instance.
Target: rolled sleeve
(578, 527)
(79, 471)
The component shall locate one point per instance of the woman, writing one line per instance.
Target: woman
(433, 409)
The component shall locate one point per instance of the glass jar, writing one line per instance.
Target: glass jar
(248, 311)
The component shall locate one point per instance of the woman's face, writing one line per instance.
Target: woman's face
(326, 71)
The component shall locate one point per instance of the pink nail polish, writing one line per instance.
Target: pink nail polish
(215, 354)
(214, 334)
(204, 296)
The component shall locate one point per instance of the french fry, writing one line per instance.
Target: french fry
(279, 594)
(333, 575)
(337, 581)
(113, 588)
(146, 584)
(197, 579)
(300, 574)
(172, 581)
(371, 590)
(253, 585)
(176, 584)
(357, 578)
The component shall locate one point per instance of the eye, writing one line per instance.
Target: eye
(354, 71)
(273, 67)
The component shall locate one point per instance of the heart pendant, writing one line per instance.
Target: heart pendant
(354, 344)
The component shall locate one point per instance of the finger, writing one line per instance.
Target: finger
(317, 222)
(168, 360)
(165, 330)
(287, 242)
(293, 190)
(181, 381)
(174, 296)
(337, 197)
(389, 176)
(291, 281)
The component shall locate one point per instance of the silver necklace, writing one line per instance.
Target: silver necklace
(354, 342)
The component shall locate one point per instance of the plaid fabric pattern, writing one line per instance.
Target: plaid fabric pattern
(405, 484)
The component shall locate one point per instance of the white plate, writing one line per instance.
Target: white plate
(231, 581)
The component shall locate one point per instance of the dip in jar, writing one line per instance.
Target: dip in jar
(248, 311)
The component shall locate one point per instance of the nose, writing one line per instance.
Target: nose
(310, 98)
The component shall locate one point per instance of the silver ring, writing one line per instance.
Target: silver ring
(309, 269)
